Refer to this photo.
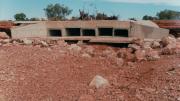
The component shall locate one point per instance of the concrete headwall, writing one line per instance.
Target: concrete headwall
(41, 29)
(32, 30)
(147, 32)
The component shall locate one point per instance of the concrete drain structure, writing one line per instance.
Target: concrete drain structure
(101, 30)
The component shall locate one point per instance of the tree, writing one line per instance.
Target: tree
(147, 17)
(20, 17)
(168, 15)
(34, 19)
(83, 15)
(103, 16)
(134, 19)
(57, 12)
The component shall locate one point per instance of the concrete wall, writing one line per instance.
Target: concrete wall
(147, 32)
(32, 30)
(42, 29)
(87, 25)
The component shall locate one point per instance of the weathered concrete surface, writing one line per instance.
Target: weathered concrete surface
(41, 29)
(32, 30)
(147, 32)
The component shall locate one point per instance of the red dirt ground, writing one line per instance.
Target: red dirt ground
(43, 74)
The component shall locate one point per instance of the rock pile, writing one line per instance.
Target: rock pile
(138, 50)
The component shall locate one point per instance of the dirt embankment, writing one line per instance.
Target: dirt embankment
(62, 72)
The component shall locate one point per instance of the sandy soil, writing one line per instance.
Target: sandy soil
(44, 74)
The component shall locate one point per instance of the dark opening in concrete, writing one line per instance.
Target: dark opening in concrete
(71, 41)
(89, 32)
(105, 31)
(73, 31)
(55, 32)
(8, 31)
(121, 32)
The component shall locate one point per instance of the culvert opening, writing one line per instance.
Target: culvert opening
(55, 32)
(7, 31)
(88, 32)
(105, 31)
(72, 41)
(121, 33)
(73, 31)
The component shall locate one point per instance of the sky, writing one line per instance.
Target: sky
(123, 8)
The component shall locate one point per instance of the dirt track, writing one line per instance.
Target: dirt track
(43, 74)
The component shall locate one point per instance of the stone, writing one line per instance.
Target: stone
(138, 41)
(80, 43)
(3, 35)
(168, 40)
(75, 48)
(27, 41)
(140, 55)
(147, 45)
(44, 44)
(152, 55)
(89, 50)
(85, 55)
(168, 50)
(86, 97)
(62, 43)
(99, 82)
(5, 41)
(134, 47)
(119, 62)
(150, 90)
(155, 44)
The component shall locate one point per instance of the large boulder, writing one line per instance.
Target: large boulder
(152, 55)
(44, 44)
(155, 44)
(140, 55)
(165, 41)
(168, 50)
(3, 35)
(27, 41)
(99, 82)
(138, 41)
(5, 41)
(169, 44)
(134, 46)
(147, 45)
